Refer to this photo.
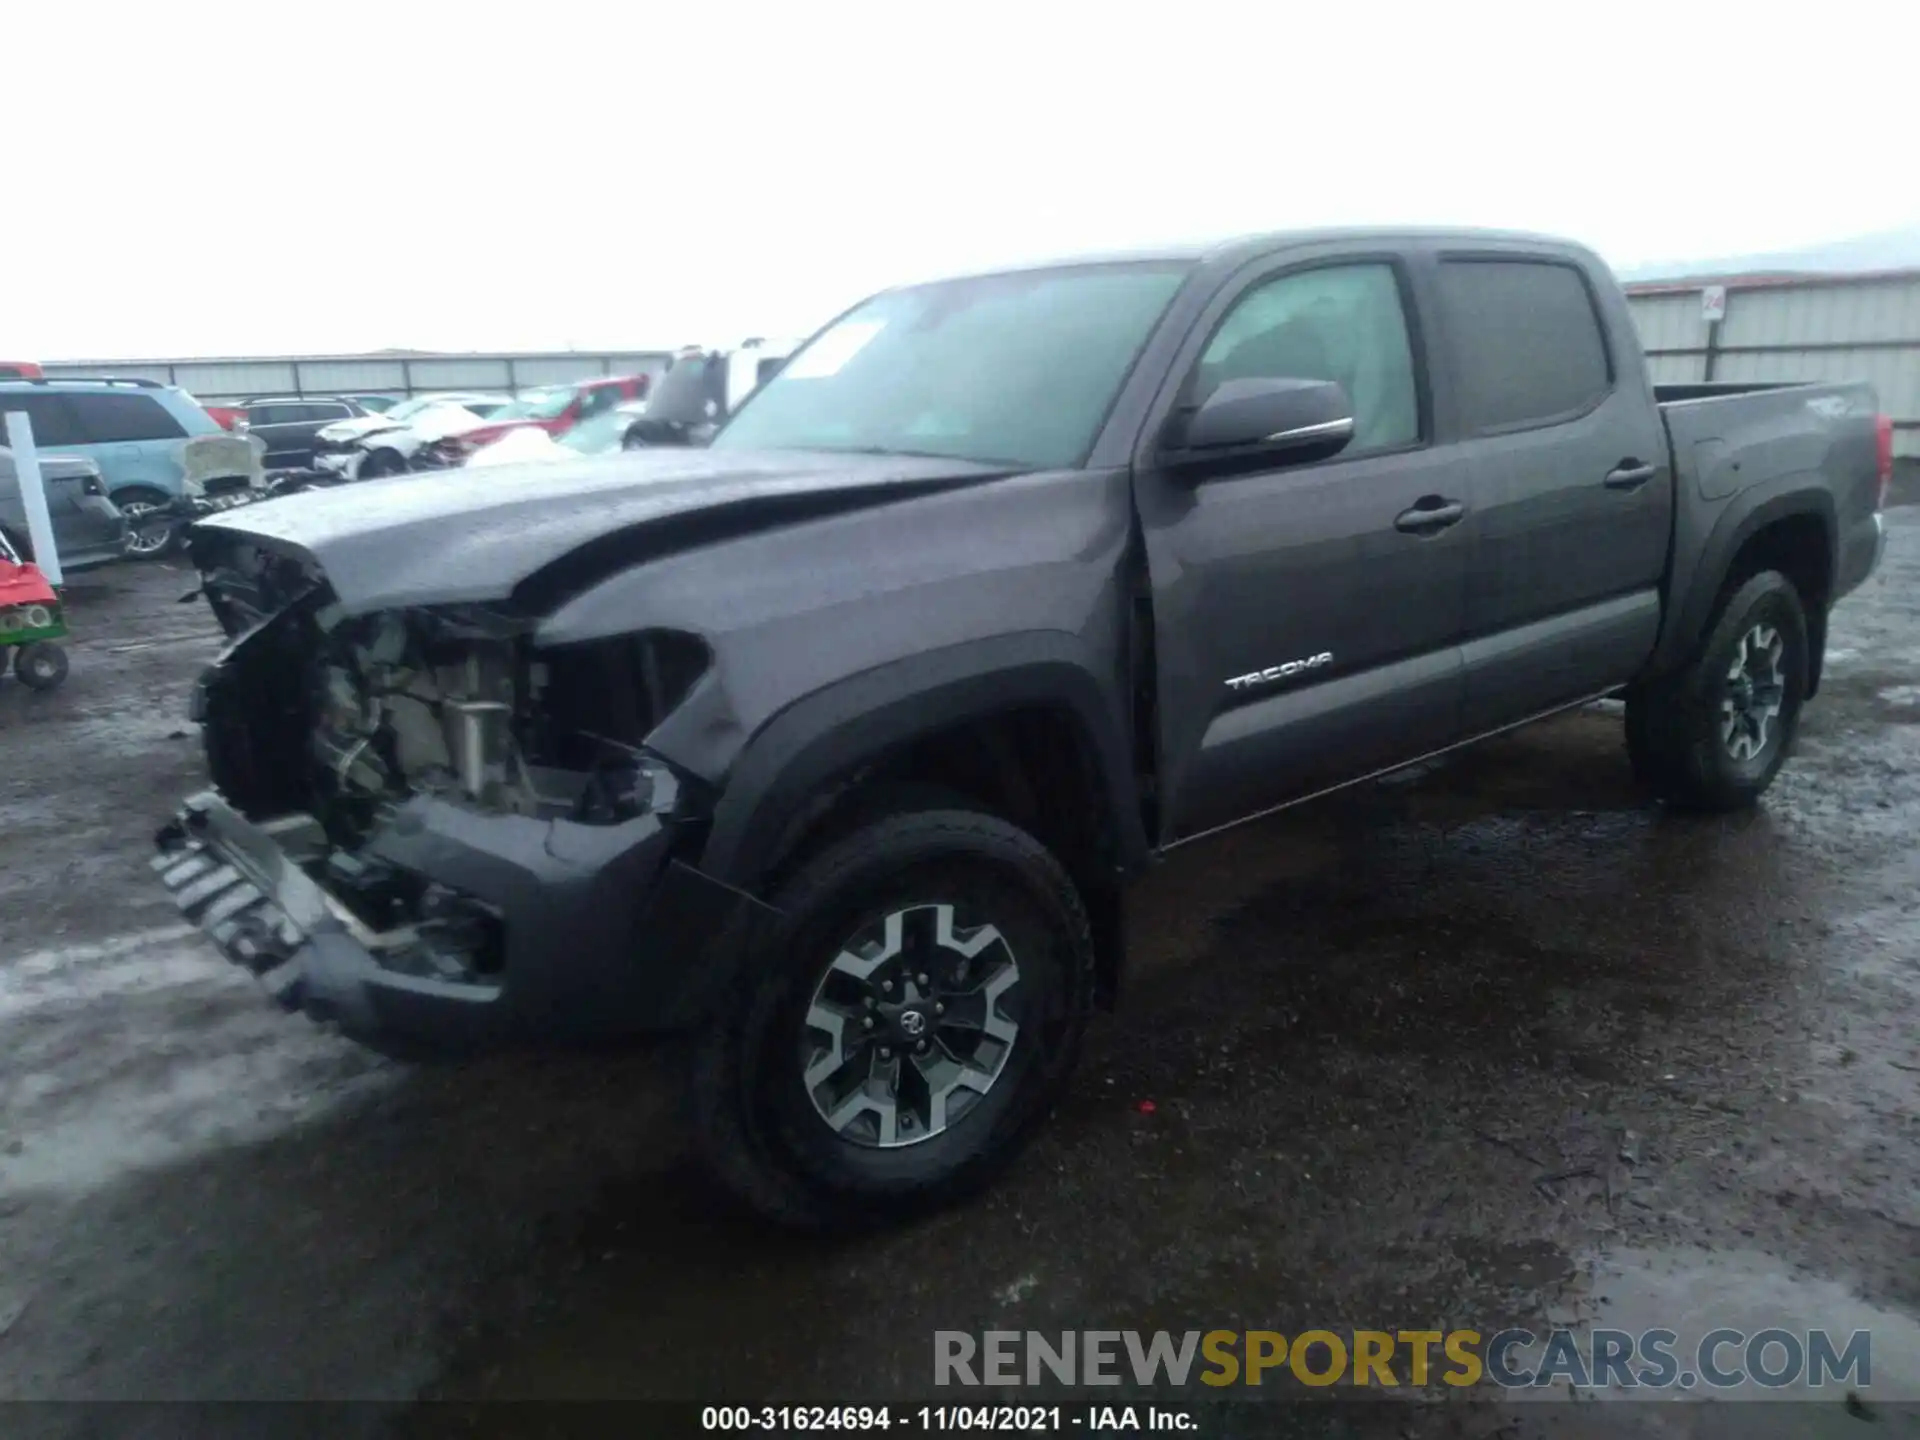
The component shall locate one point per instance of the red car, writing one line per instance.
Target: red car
(555, 409)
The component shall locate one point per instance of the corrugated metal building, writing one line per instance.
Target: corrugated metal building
(383, 374)
(1792, 327)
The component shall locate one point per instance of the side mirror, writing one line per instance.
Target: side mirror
(1289, 420)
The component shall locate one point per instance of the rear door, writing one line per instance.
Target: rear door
(1307, 618)
(1570, 485)
(281, 426)
(131, 437)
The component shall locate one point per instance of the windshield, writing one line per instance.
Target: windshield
(1014, 369)
(408, 408)
(545, 404)
(603, 432)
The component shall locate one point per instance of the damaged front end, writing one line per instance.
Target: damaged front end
(428, 828)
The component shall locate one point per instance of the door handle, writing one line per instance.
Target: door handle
(1628, 475)
(1430, 516)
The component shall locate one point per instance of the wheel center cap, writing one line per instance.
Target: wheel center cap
(913, 1023)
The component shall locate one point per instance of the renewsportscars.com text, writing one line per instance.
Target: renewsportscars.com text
(1513, 1359)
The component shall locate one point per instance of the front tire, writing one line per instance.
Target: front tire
(905, 1028)
(1713, 736)
(380, 463)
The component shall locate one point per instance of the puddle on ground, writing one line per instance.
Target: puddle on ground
(1695, 1291)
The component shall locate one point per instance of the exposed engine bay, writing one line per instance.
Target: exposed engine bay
(327, 725)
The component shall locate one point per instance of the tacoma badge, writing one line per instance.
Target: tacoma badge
(1280, 672)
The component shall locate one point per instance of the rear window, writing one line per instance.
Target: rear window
(51, 420)
(1527, 344)
(104, 419)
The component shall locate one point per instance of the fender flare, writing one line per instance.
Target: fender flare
(814, 741)
(1788, 498)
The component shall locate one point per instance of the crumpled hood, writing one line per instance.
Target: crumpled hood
(355, 427)
(453, 536)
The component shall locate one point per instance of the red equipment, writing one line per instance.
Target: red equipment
(31, 622)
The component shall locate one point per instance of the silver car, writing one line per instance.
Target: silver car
(88, 528)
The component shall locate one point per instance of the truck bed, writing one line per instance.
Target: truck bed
(1728, 440)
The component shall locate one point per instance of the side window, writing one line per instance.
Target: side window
(1527, 342)
(51, 420)
(107, 418)
(1342, 323)
(600, 398)
(328, 410)
(258, 415)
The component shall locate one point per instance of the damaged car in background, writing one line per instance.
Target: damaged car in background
(687, 406)
(555, 411)
(369, 446)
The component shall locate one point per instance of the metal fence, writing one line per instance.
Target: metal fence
(1841, 327)
(371, 374)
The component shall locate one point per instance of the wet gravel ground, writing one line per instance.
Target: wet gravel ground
(1498, 1042)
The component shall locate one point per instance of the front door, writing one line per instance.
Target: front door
(1307, 618)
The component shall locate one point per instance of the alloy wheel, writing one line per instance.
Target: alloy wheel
(148, 530)
(1755, 691)
(910, 1027)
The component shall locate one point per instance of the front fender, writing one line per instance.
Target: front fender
(833, 731)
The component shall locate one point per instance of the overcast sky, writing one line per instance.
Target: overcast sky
(200, 178)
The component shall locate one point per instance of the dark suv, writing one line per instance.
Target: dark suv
(288, 423)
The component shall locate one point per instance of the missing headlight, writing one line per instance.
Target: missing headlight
(611, 693)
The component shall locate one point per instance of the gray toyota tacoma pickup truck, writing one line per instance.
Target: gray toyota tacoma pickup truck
(828, 746)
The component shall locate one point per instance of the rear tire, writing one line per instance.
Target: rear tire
(1713, 736)
(904, 1029)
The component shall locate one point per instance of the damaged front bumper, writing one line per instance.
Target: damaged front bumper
(541, 930)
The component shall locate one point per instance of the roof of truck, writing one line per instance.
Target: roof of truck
(1198, 252)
